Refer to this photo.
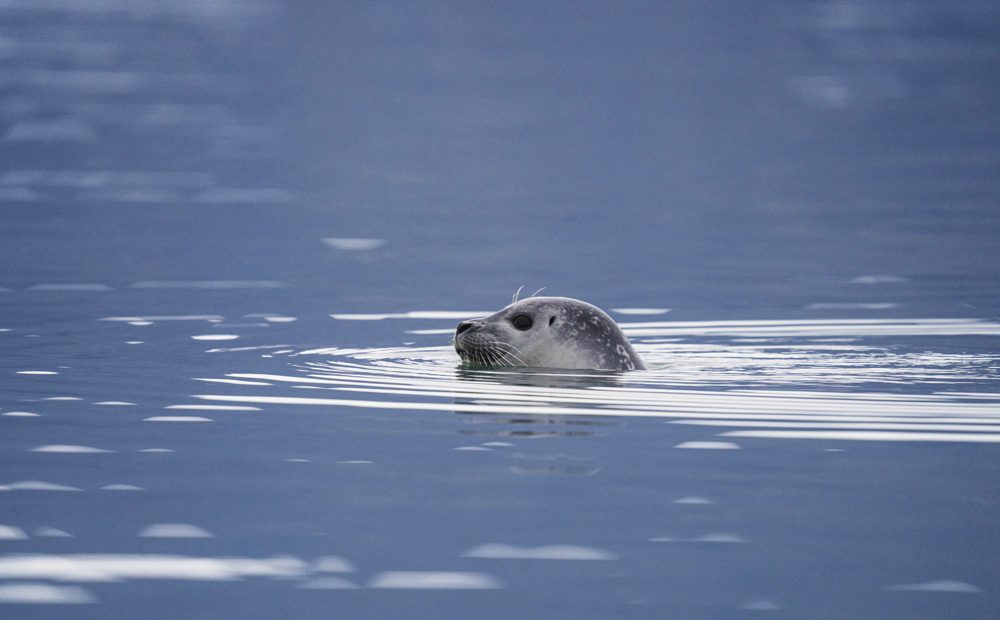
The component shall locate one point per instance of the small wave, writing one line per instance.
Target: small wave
(748, 379)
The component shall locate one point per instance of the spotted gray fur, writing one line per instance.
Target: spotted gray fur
(564, 333)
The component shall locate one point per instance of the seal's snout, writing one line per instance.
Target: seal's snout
(464, 328)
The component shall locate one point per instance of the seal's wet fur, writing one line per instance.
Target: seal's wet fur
(563, 333)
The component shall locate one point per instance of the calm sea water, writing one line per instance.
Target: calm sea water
(236, 236)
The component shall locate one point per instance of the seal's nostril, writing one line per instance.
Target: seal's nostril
(463, 326)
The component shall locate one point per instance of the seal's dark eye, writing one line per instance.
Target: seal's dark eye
(522, 322)
(552, 320)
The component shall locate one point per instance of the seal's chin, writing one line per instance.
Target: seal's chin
(463, 353)
(472, 355)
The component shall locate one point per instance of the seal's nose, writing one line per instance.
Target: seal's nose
(464, 326)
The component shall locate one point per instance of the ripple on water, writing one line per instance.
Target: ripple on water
(44, 594)
(941, 585)
(116, 566)
(176, 418)
(805, 379)
(9, 532)
(196, 407)
(503, 551)
(174, 530)
(328, 583)
(69, 449)
(434, 580)
(36, 485)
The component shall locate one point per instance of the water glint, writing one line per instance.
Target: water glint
(434, 580)
(760, 605)
(174, 530)
(833, 379)
(36, 485)
(52, 532)
(707, 445)
(109, 567)
(69, 449)
(9, 532)
(503, 551)
(43, 593)
(177, 418)
(190, 407)
(693, 499)
(712, 538)
(328, 583)
(941, 585)
(353, 244)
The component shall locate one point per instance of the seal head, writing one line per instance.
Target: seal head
(547, 332)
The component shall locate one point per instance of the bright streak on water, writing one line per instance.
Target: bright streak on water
(69, 449)
(36, 485)
(43, 594)
(434, 580)
(208, 284)
(9, 532)
(189, 407)
(503, 551)
(942, 585)
(176, 418)
(780, 384)
(353, 244)
(174, 317)
(174, 530)
(113, 567)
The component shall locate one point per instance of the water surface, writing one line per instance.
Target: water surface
(236, 237)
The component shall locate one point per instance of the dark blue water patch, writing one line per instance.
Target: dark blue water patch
(779, 503)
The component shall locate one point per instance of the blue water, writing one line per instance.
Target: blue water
(235, 238)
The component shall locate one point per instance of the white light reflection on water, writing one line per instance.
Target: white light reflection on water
(176, 418)
(942, 585)
(69, 449)
(779, 379)
(114, 567)
(43, 594)
(174, 530)
(36, 485)
(9, 532)
(503, 551)
(52, 532)
(434, 580)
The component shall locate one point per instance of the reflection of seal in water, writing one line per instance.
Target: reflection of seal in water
(547, 332)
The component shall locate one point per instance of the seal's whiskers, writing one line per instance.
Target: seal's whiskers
(552, 332)
(511, 354)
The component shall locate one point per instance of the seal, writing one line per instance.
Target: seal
(547, 332)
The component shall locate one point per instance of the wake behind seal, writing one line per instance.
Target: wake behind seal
(547, 332)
